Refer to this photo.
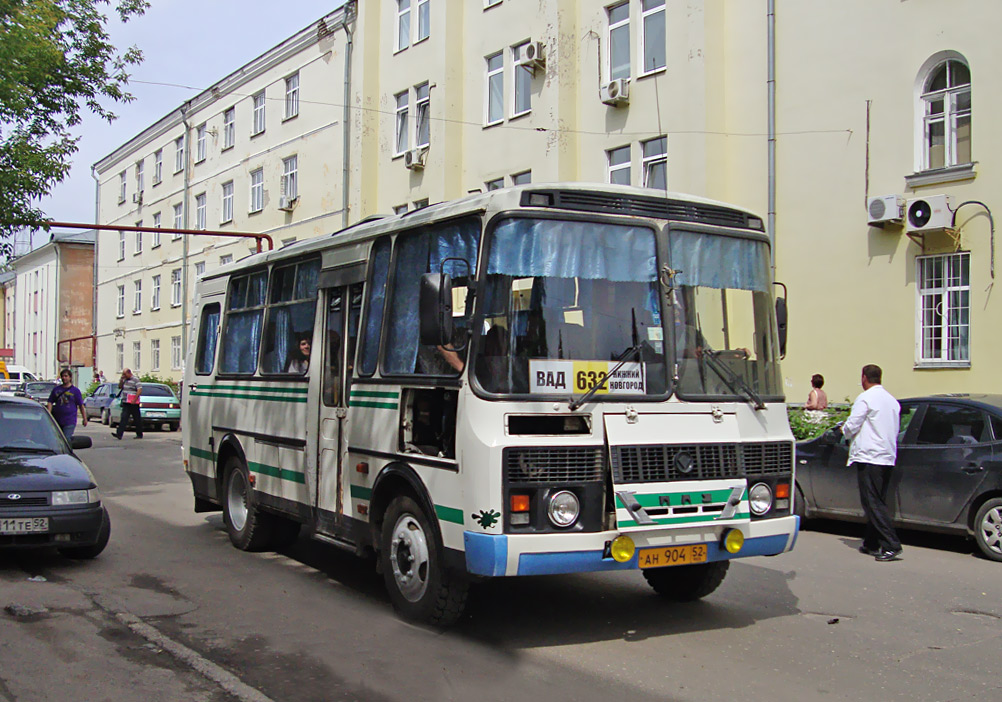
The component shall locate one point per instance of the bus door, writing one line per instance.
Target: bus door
(341, 311)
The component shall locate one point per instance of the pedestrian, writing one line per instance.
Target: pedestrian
(100, 377)
(872, 427)
(64, 402)
(129, 388)
(817, 399)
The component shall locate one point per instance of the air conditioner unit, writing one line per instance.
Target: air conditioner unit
(414, 159)
(138, 197)
(885, 209)
(930, 213)
(287, 203)
(616, 92)
(532, 56)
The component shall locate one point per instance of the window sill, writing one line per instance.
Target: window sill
(226, 148)
(257, 134)
(421, 40)
(175, 306)
(521, 114)
(289, 118)
(941, 365)
(178, 171)
(655, 72)
(155, 246)
(226, 221)
(155, 309)
(488, 125)
(157, 182)
(200, 161)
(121, 201)
(937, 176)
(254, 212)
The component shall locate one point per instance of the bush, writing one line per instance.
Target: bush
(805, 426)
(91, 388)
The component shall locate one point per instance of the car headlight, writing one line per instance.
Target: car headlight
(564, 508)
(76, 497)
(760, 499)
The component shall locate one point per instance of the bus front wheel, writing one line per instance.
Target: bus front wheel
(687, 583)
(249, 528)
(419, 585)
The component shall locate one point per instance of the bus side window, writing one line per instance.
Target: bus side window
(378, 271)
(207, 336)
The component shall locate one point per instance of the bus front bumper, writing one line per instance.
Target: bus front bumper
(549, 554)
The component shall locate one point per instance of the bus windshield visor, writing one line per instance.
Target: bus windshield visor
(563, 304)
(724, 324)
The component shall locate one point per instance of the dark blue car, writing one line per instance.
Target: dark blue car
(97, 404)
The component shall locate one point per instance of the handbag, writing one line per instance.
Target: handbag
(132, 398)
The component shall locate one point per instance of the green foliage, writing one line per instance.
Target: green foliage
(150, 378)
(91, 388)
(804, 425)
(56, 59)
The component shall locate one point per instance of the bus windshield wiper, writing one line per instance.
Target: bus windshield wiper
(620, 362)
(734, 381)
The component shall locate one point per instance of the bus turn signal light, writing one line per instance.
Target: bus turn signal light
(783, 490)
(519, 503)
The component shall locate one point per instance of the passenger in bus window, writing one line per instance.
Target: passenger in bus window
(299, 360)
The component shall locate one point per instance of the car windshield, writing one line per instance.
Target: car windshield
(39, 388)
(156, 391)
(29, 429)
(564, 302)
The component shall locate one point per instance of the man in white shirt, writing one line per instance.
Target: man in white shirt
(872, 427)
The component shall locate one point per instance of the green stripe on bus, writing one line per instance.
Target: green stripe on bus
(675, 498)
(244, 396)
(374, 405)
(375, 393)
(449, 514)
(200, 453)
(301, 390)
(672, 521)
(280, 473)
(361, 493)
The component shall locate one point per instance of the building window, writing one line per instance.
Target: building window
(521, 84)
(290, 178)
(156, 235)
(944, 292)
(655, 163)
(491, 3)
(421, 204)
(258, 125)
(257, 190)
(178, 220)
(422, 103)
(227, 202)
(400, 142)
(619, 165)
(155, 296)
(292, 96)
(120, 302)
(137, 357)
(403, 24)
(158, 166)
(946, 109)
(653, 45)
(495, 184)
(175, 352)
(619, 41)
(155, 354)
(229, 128)
(137, 298)
(199, 270)
(120, 357)
(175, 287)
(399, 209)
(121, 187)
(200, 211)
(179, 154)
(121, 246)
(139, 177)
(200, 133)
(523, 178)
(423, 19)
(495, 89)
(138, 245)
(226, 260)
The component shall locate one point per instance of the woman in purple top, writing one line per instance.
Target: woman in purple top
(64, 402)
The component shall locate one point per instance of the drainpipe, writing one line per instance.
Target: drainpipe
(93, 306)
(771, 83)
(184, 240)
(59, 312)
(349, 16)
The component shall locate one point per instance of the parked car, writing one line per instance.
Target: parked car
(97, 403)
(948, 475)
(11, 388)
(48, 497)
(158, 406)
(39, 390)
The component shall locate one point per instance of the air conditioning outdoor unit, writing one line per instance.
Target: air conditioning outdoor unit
(287, 203)
(138, 197)
(616, 92)
(532, 56)
(414, 159)
(929, 214)
(885, 209)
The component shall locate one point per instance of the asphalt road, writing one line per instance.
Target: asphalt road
(170, 611)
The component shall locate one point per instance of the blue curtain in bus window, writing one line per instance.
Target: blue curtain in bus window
(207, 340)
(306, 280)
(720, 261)
(240, 342)
(555, 249)
(374, 313)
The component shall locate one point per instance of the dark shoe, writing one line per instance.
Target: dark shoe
(139, 436)
(884, 556)
(115, 434)
(868, 551)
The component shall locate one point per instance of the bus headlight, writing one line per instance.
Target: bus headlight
(563, 508)
(760, 499)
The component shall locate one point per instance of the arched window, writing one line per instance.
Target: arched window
(946, 115)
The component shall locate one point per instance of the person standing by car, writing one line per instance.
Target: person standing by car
(872, 427)
(130, 388)
(64, 402)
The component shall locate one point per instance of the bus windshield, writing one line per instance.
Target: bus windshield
(563, 302)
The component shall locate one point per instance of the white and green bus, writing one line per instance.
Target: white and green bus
(542, 379)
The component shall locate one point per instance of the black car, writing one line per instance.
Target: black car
(48, 497)
(39, 390)
(948, 475)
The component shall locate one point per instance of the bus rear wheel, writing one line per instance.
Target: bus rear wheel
(687, 583)
(419, 585)
(249, 528)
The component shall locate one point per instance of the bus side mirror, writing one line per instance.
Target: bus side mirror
(435, 309)
(781, 320)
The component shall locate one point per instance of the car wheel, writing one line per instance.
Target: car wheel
(419, 585)
(988, 529)
(105, 417)
(249, 528)
(92, 551)
(687, 583)
(174, 426)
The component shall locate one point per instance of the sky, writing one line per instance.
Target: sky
(184, 43)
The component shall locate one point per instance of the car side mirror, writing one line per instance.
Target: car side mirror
(781, 321)
(435, 308)
(80, 442)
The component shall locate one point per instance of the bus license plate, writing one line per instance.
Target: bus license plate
(30, 525)
(671, 556)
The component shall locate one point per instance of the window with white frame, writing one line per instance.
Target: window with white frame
(399, 209)
(158, 166)
(400, 141)
(495, 184)
(422, 104)
(403, 24)
(655, 163)
(292, 96)
(946, 110)
(423, 19)
(257, 190)
(178, 220)
(120, 357)
(138, 245)
(944, 301)
(494, 109)
(227, 202)
(619, 165)
(290, 177)
(137, 296)
(140, 178)
(491, 3)
(179, 154)
(199, 270)
(120, 302)
(200, 211)
(229, 128)
(175, 352)
(226, 259)
(137, 355)
(523, 178)
(155, 293)
(121, 187)
(200, 133)
(258, 125)
(156, 235)
(175, 287)
(155, 354)
(619, 41)
(421, 204)
(652, 39)
(121, 246)
(521, 83)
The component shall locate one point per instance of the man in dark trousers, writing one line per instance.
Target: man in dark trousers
(129, 388)
(872, 427)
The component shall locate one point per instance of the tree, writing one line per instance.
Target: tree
(56, 60)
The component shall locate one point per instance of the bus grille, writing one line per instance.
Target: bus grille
(659, 463)
(564, 464)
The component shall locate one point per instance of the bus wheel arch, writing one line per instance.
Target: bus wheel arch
(397, 479)
(229, 447)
